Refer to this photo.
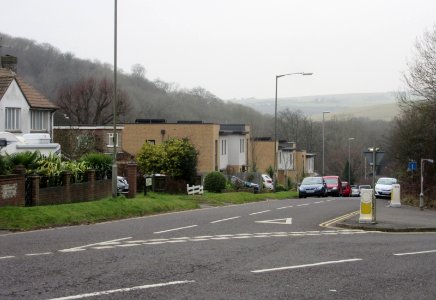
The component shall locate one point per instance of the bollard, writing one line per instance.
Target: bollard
(366, 209)
(395, 196)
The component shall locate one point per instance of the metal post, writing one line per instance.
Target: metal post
(374, 199)
(421, 195)
(349, 161)
(275, 140)
(114, 100)
(323, 146)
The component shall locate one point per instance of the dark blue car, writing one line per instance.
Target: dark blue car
(312, 186)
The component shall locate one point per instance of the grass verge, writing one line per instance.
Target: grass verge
(37, 217)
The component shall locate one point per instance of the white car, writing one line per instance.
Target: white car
(122, 185)
(383, 187)
(267, 182)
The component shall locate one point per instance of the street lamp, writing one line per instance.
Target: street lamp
(421, 196)
(349, 160)
(323, 113)
(275, 124)
(114, 100)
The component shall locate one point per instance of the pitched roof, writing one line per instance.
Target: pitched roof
(33, 97)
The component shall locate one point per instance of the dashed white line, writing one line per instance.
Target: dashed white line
(317, 202)
(283, 207)
(37, 254)
(260, 212)
(80, 248)
(307, 265)
(304, 204)
(6, 257)
(135, 288)
(415, 253)
(222, 220)
(174, 229)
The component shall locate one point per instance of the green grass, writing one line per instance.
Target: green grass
(37, 217)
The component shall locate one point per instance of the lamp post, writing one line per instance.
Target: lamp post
(323, 146)
(421, 196)
(275, 124)
(114, 100)
(349, 160)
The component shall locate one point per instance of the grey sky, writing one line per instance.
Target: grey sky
(234, 48)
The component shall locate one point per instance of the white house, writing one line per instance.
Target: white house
(233, 142)
(24, 112)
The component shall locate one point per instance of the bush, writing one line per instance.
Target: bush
(214, 182)
(280, 188)
(101, 163)
(4, 165)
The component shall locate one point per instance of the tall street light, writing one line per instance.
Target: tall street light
(323, 142)
(275, 125)
(114, 100)
(421, 195)
(349, 160)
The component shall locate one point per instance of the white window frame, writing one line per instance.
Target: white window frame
(13, 118)
(111, 140)
(39, 120)
(241, 146)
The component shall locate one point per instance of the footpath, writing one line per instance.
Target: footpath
(395, 219)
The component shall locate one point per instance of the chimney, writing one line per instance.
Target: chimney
(9, 62)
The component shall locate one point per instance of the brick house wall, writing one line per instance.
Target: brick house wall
(204, 137)
(12, 190)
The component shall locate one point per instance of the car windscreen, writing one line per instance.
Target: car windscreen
(331, 180)
(386, 181)
(312, 180)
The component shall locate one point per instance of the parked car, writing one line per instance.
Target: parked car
(242, 183)
(364, 186)
(334, 186)
(312, 186)
(383, 187)
(122, 185)
(355, 192)
(346, 189)
(267, 182)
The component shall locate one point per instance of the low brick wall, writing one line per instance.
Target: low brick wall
(12, 190)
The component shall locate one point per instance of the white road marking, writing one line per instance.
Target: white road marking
(283, 207)
(304, 204)
(175, 229)
(6, 257)
(37, 254)
(317, 202)
(222, 220)
(307, 265)
(135, 288)
(287, 221)
(80, 248)
(414, 253)
(260, 212)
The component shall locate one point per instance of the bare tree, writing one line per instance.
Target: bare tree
(89, 102)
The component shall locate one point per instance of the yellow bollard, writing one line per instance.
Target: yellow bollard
(366, 209)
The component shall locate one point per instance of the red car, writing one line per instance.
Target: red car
(334, 185)
(346, 189)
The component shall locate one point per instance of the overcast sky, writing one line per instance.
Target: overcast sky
(234, 48)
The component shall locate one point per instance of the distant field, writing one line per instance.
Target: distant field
(385, 112)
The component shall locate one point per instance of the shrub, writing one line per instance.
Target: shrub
(214, 182)
(280, 188)
(4, 165)
(101, 163)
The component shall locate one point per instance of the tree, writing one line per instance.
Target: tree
(89, 102)
(174, 157)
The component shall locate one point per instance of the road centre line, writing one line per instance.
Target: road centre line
(6, 257)
(135, 288)
(175, 229)
(304, 204)
(415, 253)
(38, 254)
(222, 220)
(290, 206)
(260, 212)
(307, 265)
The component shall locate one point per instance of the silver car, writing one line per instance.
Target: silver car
(122, 185)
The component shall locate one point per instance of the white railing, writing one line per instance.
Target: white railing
(195, 189)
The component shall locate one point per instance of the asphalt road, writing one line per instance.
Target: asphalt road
(266, 250)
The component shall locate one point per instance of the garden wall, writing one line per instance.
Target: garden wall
(12, 189)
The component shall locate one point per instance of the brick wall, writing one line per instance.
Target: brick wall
(12, 189)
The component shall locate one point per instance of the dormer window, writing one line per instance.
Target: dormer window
(13, 118)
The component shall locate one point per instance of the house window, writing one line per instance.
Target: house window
(241, 145)
(13, 118)
(39, 120)
(111, 140)
(151, 142)
(223, 147)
